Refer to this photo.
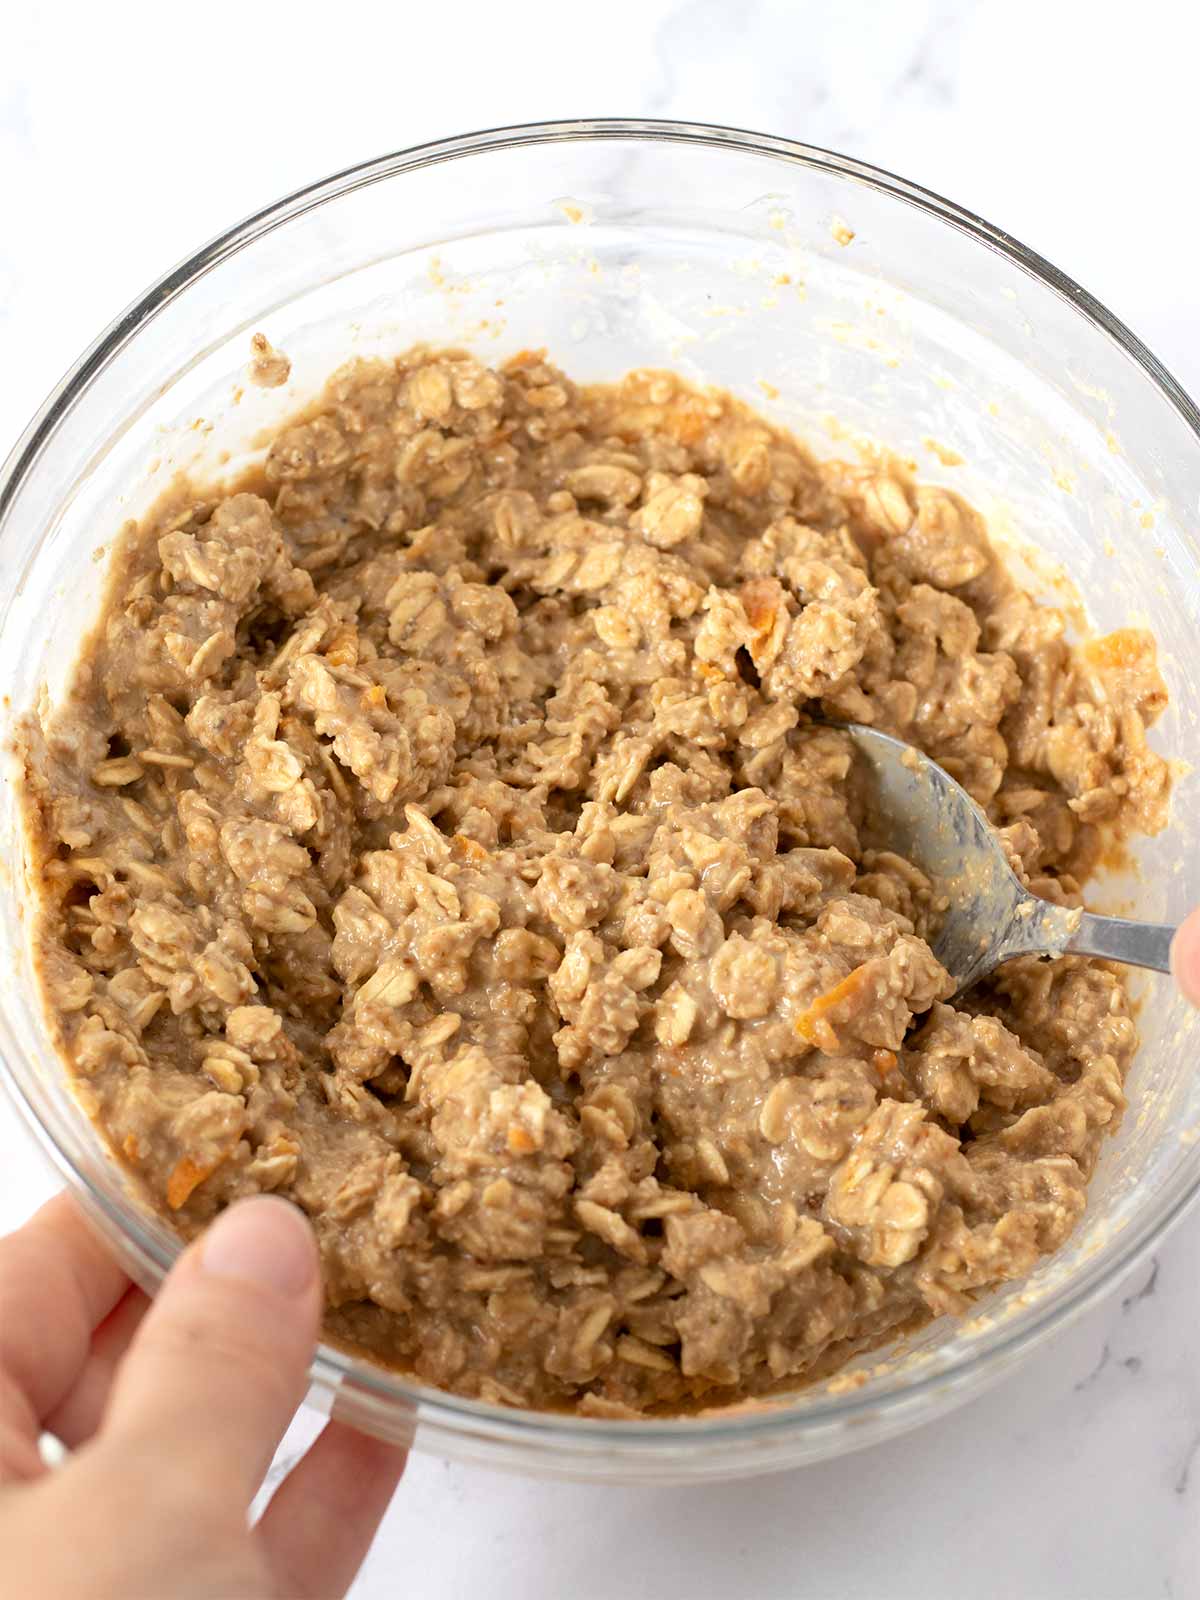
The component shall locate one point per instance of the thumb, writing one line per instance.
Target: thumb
(1185, 957)
(220, 1362)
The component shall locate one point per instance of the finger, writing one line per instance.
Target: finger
(57, 1282)
(220, 1361)
(20, 1459)
(82, 1408)
(321, 1520)
(1185, 957)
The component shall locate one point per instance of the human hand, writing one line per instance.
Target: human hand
(173, 1411)
(1185, 957)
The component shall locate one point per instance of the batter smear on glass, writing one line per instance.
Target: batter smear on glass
(438, 833)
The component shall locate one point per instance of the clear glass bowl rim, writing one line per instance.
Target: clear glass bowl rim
(1008, 1337)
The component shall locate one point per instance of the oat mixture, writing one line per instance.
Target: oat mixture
(439, 834)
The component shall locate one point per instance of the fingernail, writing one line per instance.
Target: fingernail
(1185, 957)
(264, 1241)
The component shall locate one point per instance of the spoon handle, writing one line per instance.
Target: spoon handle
(1137, 944)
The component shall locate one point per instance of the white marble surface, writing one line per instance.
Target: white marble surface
(128, 133)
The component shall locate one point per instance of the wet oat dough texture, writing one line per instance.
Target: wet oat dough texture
(438, 835)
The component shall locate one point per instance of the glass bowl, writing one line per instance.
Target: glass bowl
(727, 256)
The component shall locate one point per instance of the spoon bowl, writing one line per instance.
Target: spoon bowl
(990, 916)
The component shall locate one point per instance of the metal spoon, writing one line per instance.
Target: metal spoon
(991, 916)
